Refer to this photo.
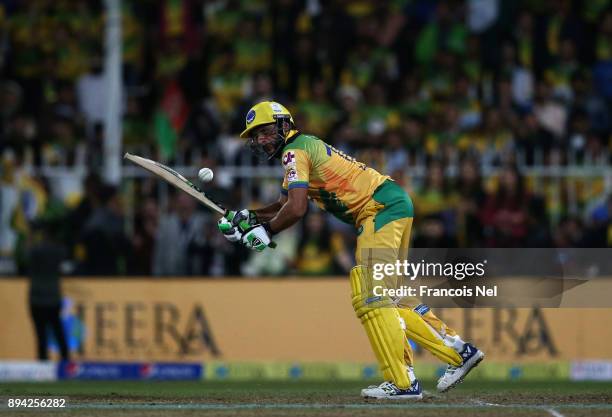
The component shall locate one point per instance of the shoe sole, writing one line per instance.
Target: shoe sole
(460, 380)
(394, 397)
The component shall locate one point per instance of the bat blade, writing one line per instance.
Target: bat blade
(177, 180)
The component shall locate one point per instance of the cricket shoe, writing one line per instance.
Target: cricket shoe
(389, 391)
(454, 375)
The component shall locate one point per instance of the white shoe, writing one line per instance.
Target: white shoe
(389, 391)
(454, 375)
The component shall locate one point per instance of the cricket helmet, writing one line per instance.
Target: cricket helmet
(267, 113)
(263, 113)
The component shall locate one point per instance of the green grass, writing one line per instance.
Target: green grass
(292, 398)
(227, 389)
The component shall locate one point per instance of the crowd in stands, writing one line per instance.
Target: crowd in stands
(495, 115)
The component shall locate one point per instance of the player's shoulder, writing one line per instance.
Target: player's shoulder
(306, 148)
(304, 142)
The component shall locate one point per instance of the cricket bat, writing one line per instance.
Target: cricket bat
(177, 180)
(182, 183)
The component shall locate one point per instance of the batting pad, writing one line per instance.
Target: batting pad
(421, 332)
(382, 324)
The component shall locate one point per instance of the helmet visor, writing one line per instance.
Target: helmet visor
(265, 141)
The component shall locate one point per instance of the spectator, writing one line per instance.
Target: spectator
(569, 233)
(214, 255)
(504, 214)
(521, 78)
(599, 235)
(399, 85)
(538, 225)
(550, 112)
(176, 232)
(445, 32)
(88, 203)
(11, 96)
(91, 94)
(471, 199)
(319, 113)
(143, 239)
(106, 247)
(433, 234)
(396, 155)
(435, 198)
(321, 251)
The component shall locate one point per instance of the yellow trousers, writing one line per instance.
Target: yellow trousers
(386, 242)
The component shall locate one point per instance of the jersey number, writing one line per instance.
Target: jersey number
(344, 156)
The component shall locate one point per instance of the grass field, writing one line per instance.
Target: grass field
(243, 399)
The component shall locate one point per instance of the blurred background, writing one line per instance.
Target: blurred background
(494, 115)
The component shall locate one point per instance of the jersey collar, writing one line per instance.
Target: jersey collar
(292, 136)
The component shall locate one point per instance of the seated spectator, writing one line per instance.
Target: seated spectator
(569, 233)
(321, 251)
(504, 214)
(433, 234)
(471, 197)
(435, 198)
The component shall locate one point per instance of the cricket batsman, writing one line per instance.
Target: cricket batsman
(382, 214)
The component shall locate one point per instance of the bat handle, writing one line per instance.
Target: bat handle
(244, 225)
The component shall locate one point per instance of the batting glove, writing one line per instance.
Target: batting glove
(231, 233)
(257, 238)
(244, 219)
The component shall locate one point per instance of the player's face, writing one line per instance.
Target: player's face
(265, 137)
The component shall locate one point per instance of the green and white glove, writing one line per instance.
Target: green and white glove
(241, 226)
(235, 223)
(238, 217)
(231, 233)
(244, 219)
(257, 238)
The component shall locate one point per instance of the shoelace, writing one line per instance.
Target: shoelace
(388, 387)
(381, 386)
(450, 369)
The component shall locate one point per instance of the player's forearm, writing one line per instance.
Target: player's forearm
(267, 213)
(287, 216)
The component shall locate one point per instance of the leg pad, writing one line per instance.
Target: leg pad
(383, 326)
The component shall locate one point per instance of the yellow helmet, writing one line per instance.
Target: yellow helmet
(264, 113)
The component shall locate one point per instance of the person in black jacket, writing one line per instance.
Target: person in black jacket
(45, 257)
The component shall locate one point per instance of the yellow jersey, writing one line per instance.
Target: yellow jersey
(336, 182)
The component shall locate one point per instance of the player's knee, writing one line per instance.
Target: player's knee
(358, 295)
(364, 306)
(364, 301)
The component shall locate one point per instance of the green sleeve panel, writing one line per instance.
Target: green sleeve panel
(311, 145)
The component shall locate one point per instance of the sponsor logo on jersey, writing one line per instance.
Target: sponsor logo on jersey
(289, 159)
(292, 175)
